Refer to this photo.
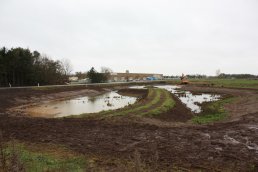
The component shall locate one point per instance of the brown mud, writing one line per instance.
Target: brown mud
(179, 113)
(225, 146)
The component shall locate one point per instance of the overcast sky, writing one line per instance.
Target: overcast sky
(161, 36)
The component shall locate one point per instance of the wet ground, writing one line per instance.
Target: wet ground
(226, 146)
(86, 104)
(192, 101)
(111, 100)
(138, 87)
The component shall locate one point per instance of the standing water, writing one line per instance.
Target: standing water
(138, 87)
(108, 101)
(190, 100)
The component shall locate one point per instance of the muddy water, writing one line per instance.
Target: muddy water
(108, 101)
(192, 101)
(138, 87)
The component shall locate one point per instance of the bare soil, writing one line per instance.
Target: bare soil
(225, 146)
(179, 113)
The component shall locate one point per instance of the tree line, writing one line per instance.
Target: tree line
(94, 76)
(220, 76)
(237, 76)
(22, 67)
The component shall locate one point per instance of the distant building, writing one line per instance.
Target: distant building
(76, 80)
(122, 77)
(84, 81)
(73, 78)
(81, 81)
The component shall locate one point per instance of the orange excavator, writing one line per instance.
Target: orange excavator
(184, 79)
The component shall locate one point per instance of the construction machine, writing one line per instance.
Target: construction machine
(184, 79)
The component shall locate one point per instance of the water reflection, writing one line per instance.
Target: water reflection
(108, 101)
(138, 87)
(192, 101)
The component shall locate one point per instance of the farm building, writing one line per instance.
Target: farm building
(120, 77)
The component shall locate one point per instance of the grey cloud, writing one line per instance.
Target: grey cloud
(160, 36)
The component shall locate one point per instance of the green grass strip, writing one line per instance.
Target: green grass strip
(213, 112)
(34, 161)
(143, 107)
(146, 109)
(168, 104)
(232, 83)
(137, 106)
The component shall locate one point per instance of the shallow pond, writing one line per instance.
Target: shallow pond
(192, 101)
(138, 87)
(108, 101)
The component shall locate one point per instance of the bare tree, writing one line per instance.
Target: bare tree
(66, 66)
(218, 72)
(106, 70)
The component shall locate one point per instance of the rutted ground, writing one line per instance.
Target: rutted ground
(231, 145)
(155, 102)
(222, 146)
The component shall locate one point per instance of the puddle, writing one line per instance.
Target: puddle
(190, 100)
(138, 87)
(87, 104)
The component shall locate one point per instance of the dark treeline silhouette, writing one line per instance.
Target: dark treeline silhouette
(221, 76)
(238, 76)
(197, 76)
(21, 67)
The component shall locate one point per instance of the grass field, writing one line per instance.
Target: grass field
(234, 83)
(156, 102)
(231, 83)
